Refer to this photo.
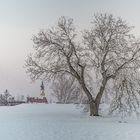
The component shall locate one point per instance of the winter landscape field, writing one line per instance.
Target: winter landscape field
(62, 122)
(69, 70)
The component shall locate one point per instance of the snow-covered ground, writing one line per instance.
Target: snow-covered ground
(61, 122)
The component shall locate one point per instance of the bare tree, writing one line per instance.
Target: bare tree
(65, 90)
(107, 49)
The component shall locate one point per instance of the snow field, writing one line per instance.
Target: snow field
(61, 122)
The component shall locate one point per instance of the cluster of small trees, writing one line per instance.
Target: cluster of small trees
(108, 56)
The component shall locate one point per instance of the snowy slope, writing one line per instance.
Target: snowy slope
(61, 122)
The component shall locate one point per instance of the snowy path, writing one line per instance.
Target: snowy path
(61, 122)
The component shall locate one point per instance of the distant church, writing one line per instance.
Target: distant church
(41, 99)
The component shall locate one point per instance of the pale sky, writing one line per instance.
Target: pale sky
(21, 19)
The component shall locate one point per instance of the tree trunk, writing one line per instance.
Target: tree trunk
(94, 109)
(94, 103)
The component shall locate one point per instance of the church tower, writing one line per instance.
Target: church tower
(42, 90)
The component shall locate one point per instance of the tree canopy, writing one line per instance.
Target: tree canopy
(108, 49)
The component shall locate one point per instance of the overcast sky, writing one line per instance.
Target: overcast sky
(21, 19)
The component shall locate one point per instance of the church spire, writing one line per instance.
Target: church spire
(42, 86)
(42, 89)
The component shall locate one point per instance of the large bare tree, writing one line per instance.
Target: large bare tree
(107, 49)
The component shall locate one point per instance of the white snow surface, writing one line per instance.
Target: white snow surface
(62, 122)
